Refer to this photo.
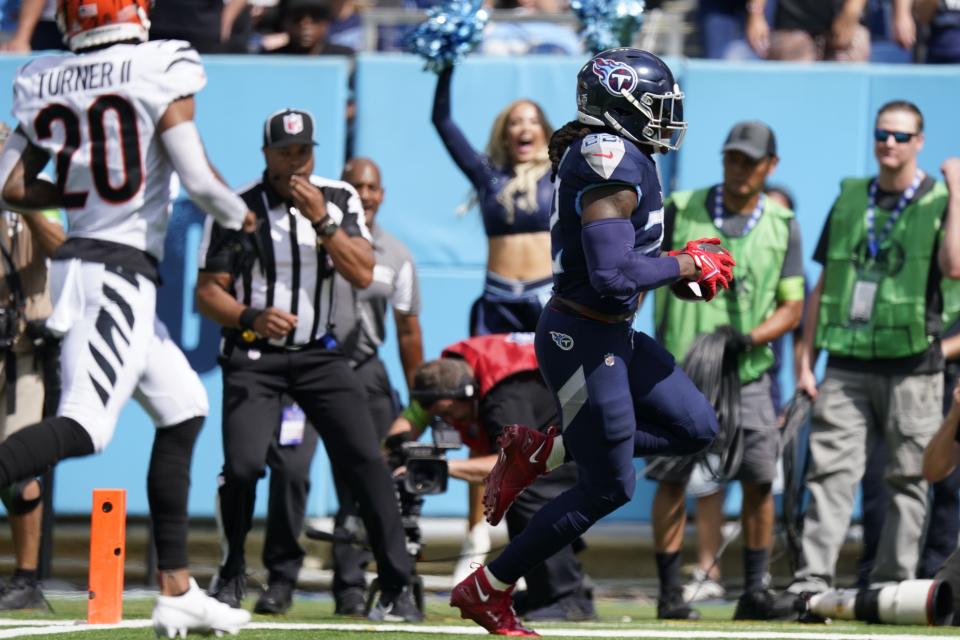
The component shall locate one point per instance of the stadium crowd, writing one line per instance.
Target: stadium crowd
(577, 234)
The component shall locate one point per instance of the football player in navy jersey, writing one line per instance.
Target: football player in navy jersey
(620, 394)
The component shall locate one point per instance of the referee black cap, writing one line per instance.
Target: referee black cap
(754, 138)
(287, 127)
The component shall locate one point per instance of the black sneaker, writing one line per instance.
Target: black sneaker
(350, 602)
(764, 604)
(398, 607)
(22, 593)
(670, 606)
(230, 590)
(574, 607)
(275, 600)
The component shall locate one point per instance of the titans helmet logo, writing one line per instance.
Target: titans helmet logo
(616, 77)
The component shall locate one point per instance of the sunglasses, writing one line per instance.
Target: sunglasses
(881, 135)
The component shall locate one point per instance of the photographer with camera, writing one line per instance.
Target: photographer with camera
(480, 386)
(29, 362)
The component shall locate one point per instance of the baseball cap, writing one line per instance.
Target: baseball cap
(753, 138)
(288, 126)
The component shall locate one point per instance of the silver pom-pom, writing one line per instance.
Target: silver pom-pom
(605, 24)
(452, 29)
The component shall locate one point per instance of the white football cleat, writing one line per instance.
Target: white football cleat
(195, 611)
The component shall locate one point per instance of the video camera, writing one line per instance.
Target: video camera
(426, 464)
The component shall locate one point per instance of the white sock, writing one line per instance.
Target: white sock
(557, 454)
(499, 585)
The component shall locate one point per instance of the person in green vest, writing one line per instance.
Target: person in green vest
(764, 303)
(876, 310)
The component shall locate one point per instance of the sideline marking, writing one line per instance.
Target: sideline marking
(39, 627)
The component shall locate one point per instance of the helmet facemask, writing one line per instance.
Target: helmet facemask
(664, 126)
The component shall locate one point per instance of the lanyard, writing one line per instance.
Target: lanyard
(873, 240)
(718, 213)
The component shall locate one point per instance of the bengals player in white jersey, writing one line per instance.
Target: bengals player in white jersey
(116, 118)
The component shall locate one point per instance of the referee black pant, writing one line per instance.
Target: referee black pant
(350, 562)
(330, 394)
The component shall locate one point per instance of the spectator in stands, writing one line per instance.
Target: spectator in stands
(36, 28)
(307, 25)
(505, 38)
(205, 24)
(721, 27)
(9, 18)
(360, 327)
(809, 30)
(30, 355)
(885, 247)
(346, 28)
(764, 302)
(940, 19)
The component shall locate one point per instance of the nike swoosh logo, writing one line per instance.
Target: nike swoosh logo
(483, 596)
(608, 155)
(533, 458)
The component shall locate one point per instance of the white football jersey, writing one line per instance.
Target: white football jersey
(96, 114)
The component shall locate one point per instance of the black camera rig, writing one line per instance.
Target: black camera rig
(426, 474)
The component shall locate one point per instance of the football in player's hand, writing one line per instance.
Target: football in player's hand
(687, 290)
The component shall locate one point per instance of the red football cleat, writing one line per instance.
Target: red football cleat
(523, 459)
(491, 608)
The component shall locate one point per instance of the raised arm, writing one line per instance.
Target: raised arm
(471, 162)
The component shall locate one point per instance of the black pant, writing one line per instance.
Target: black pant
(331, 396)
(289, 487)
(560, 574)
(350, 562)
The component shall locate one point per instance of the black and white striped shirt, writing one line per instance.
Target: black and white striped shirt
(288, 270)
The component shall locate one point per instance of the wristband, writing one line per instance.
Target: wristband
(247, 317)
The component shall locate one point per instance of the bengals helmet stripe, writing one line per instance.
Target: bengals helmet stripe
(92, 23)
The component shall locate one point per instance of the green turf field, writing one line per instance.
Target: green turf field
(311, 619)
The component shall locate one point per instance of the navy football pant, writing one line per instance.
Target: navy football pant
(621, 396)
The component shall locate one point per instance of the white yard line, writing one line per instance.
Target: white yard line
(51, 627)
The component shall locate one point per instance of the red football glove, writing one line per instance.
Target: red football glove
(715, 264)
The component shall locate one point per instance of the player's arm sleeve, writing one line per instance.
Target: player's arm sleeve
(614, 267)
(185, 150)
(791, 285)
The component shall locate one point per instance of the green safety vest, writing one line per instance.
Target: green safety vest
(897, 328)
(753, 296)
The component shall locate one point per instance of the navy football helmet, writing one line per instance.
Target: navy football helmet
(633, 92)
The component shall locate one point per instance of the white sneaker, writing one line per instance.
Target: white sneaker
(701, 587)
(196, 611)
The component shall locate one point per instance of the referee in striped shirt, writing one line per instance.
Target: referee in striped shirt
(273, 295)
